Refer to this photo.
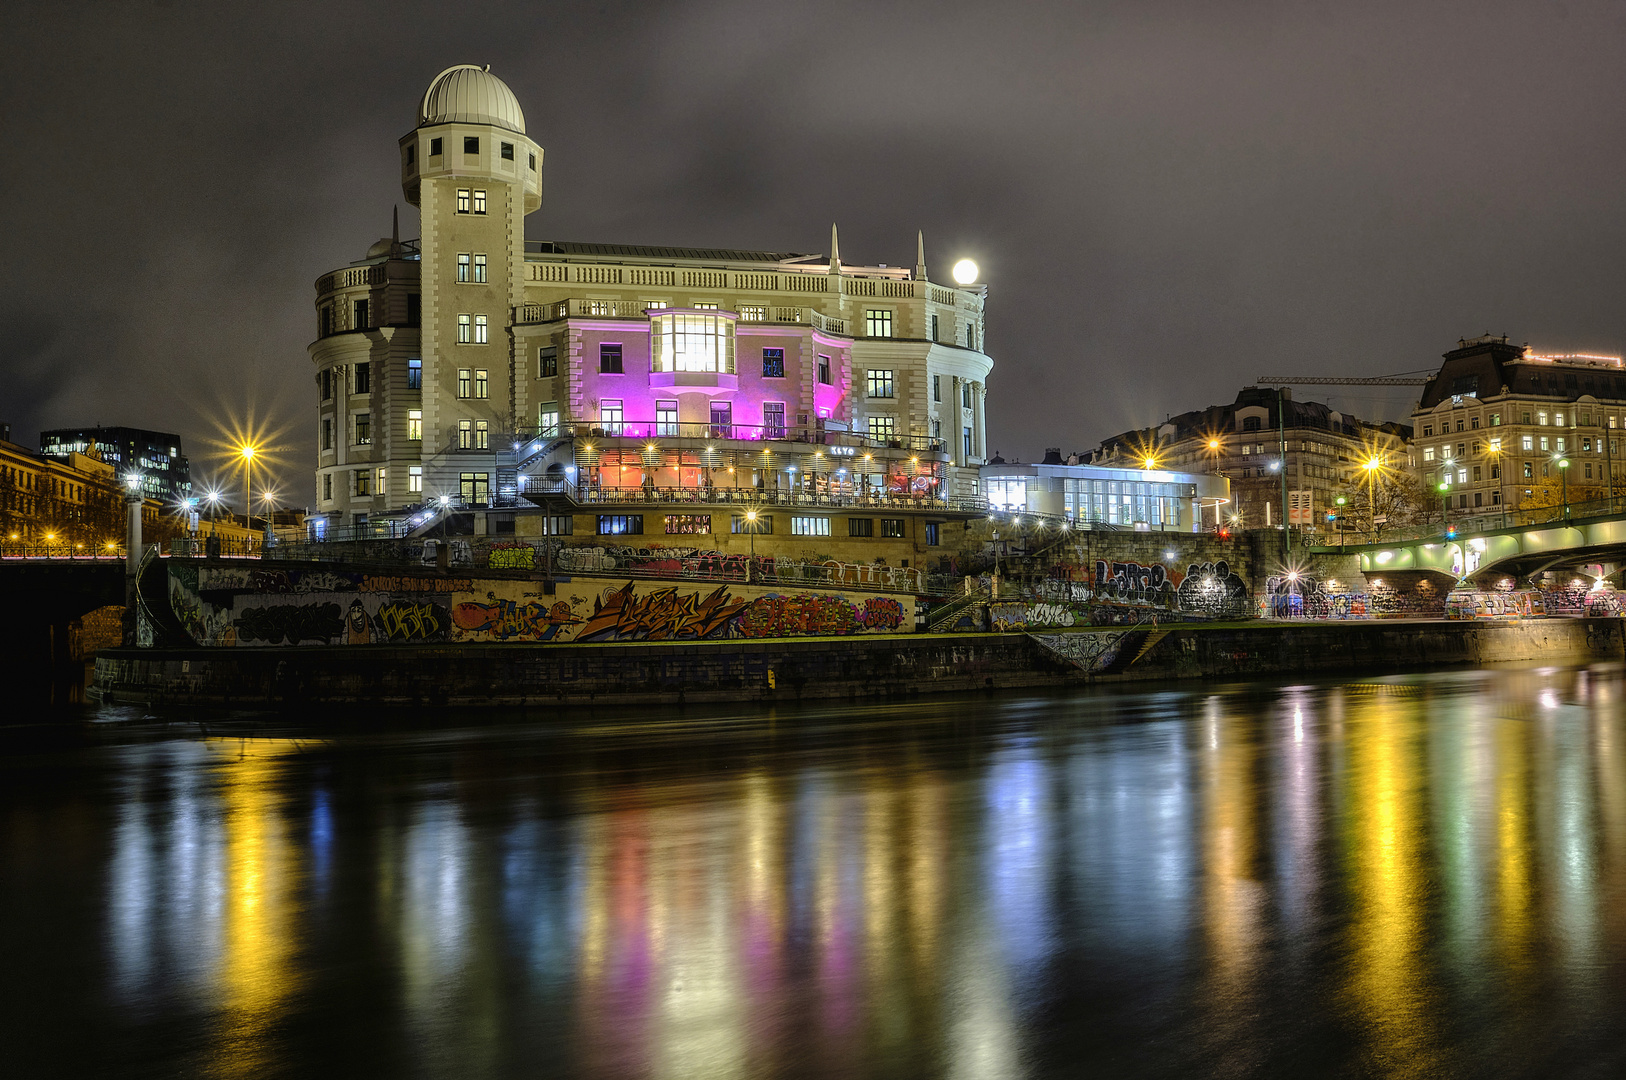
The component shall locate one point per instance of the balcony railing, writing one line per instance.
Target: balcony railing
(754, 498)
(647, 430)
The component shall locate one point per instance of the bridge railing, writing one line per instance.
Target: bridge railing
(1482, 522)
(16, 549)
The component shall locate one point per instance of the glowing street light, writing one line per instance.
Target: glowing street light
(1564, 478)
(751, 527)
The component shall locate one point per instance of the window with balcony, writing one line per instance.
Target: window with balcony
(894, 528)
(621, 524)
(479, 268)
(880, 382)
(482, 383)
(479, 329)
(547, 363)
(465, 378)
(465, 263)
(773, 363)
(414, 373)
(666, 419)
(882, 427)
(878, 322)
(479, 201)
(810, 526)
(465, 329)
(689, 342)
(364, 429)
(474, 489)
(824, 370)
(463, 200)
(465, 434)
(414, 425)
(415, 478)
(609, 416)
(773, 420)
(609, 359)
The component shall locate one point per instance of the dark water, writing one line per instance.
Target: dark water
(1424, 876)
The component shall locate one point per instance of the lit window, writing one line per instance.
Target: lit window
(895, 528)
(1560, 446)
(482, 435)
(620, 524)
(508, 151)
(1543, 442)
(1496, 446)
(878, 323)
(548, 418)
(880, 383)
(364, 482)
(463, 260)
(479, 268)
(609, 416)
(479, 329)
(707, 307)
(547, 362)
(383, 487)
(465, 332)
(479, 201)
(1428, 453)
(773, 420)
(463, 379)
(773, 363)
(1527, 442)
(666, 418)
(471, 144)
(882, 427)
(462, 200)
(810, 526)
(609, 359)
(414, 425)
(364, 429)
(414, 477)
(1541, 418)
(1558, 419)
(482, 383)
(684, 341)
(465, 434)
(687, 524)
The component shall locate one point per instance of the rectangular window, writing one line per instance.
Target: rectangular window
(1496, 446)
(968, 442)
(880, 383)
(688, 524)
(666, 419)
(1529, 471)
(810, 526)
(533, 162)
(479, 268)
(894, 528)
(465, 331)
(1496, 472)
(482, 384)
(434, 147)
(414, 373)
(508, 151)
(762, 526)
(937, 388)
(547, 365)
(327, 485)
(1527, 442)
(860, 526)
(382, 486)
(621, 524)
(753, 313)
(609, 359)
(722, 419)
(359, 313)
(482, 435)
(547, 419)
(773, 363)
(1428, 453)
(934, 329)
(471, 144)
(1495, 419)
(415, 478)
(414, 309)
(1473, 423)
(1541, 418)
(464, 381)
(878, 323)
(773, 420)
(465, 434)
(882, 428)
(324, 382)
(479, 201)
(609, 416)
(462, 200)
(464, 263)
(931, 534)
(707, 307)
(1428, 430)
(1476, 474)
(1560, 447)
(327, 434)
(474, 489)
(364, 429)
(479, 329)
(364, 378)
(364, 482)
(414, 425)
(965, 395)
(824, 370)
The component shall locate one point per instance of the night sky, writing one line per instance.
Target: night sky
(1167, 200)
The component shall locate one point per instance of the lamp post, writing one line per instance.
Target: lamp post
(1340, 501)
(1564, 482)
(445, 504)
(1372, 465)
(751, 528)
(1445, 506)
(247, 451)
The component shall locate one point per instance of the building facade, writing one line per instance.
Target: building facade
(68, 503)
(1495, 421)
(155, 455)
(1153, 500)
(521, 381)
(1325, 452)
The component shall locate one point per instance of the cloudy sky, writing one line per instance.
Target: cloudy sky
(1167, 199)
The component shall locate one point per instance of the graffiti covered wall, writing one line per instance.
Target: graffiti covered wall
(226, 606)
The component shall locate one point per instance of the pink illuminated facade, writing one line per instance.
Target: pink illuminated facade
(472, 369)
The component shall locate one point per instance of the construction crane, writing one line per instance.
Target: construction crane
(1319, 380)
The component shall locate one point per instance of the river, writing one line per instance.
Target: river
(1420, 875)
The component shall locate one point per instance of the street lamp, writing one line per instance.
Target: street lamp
(1372, 464)
(445, 505)
(751, 527)
(247, 452)
(1445, 505)
(1340, 501)
(1564, 480)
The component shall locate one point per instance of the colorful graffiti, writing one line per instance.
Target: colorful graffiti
(505, 620)
(1473, 604)
(512, 557)
(662, 615)
(789, 616)
(411, 620)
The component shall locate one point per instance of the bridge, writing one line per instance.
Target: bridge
(41, 599)
(1585, 537)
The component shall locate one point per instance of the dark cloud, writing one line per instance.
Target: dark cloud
(1167, 199)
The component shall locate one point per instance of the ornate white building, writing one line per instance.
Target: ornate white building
(521, 380)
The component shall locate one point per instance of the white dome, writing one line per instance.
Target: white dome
(468, 94)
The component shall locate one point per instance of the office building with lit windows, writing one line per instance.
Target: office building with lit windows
(154, 456)
(1495, 422)
(540, 386)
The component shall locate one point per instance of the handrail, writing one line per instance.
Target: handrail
(1517, 520)
(646, 431)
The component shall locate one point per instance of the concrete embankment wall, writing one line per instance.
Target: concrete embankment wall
(793, 669)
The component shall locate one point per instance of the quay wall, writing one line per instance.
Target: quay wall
(806, 668)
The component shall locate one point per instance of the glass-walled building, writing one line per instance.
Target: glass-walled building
(1147, 499)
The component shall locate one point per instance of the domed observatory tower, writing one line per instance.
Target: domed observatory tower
(474, 175)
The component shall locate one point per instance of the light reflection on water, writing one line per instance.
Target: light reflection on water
(1415, 877)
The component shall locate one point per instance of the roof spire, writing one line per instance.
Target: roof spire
(835, 250)
(395, 231)
(920, 255)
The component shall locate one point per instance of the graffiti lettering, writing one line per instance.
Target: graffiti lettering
(394, 583)
(880, 613)
(781, 616)
(664, 615)
(291, 623)
(404, 620)
(516, 557)
(505, 619)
